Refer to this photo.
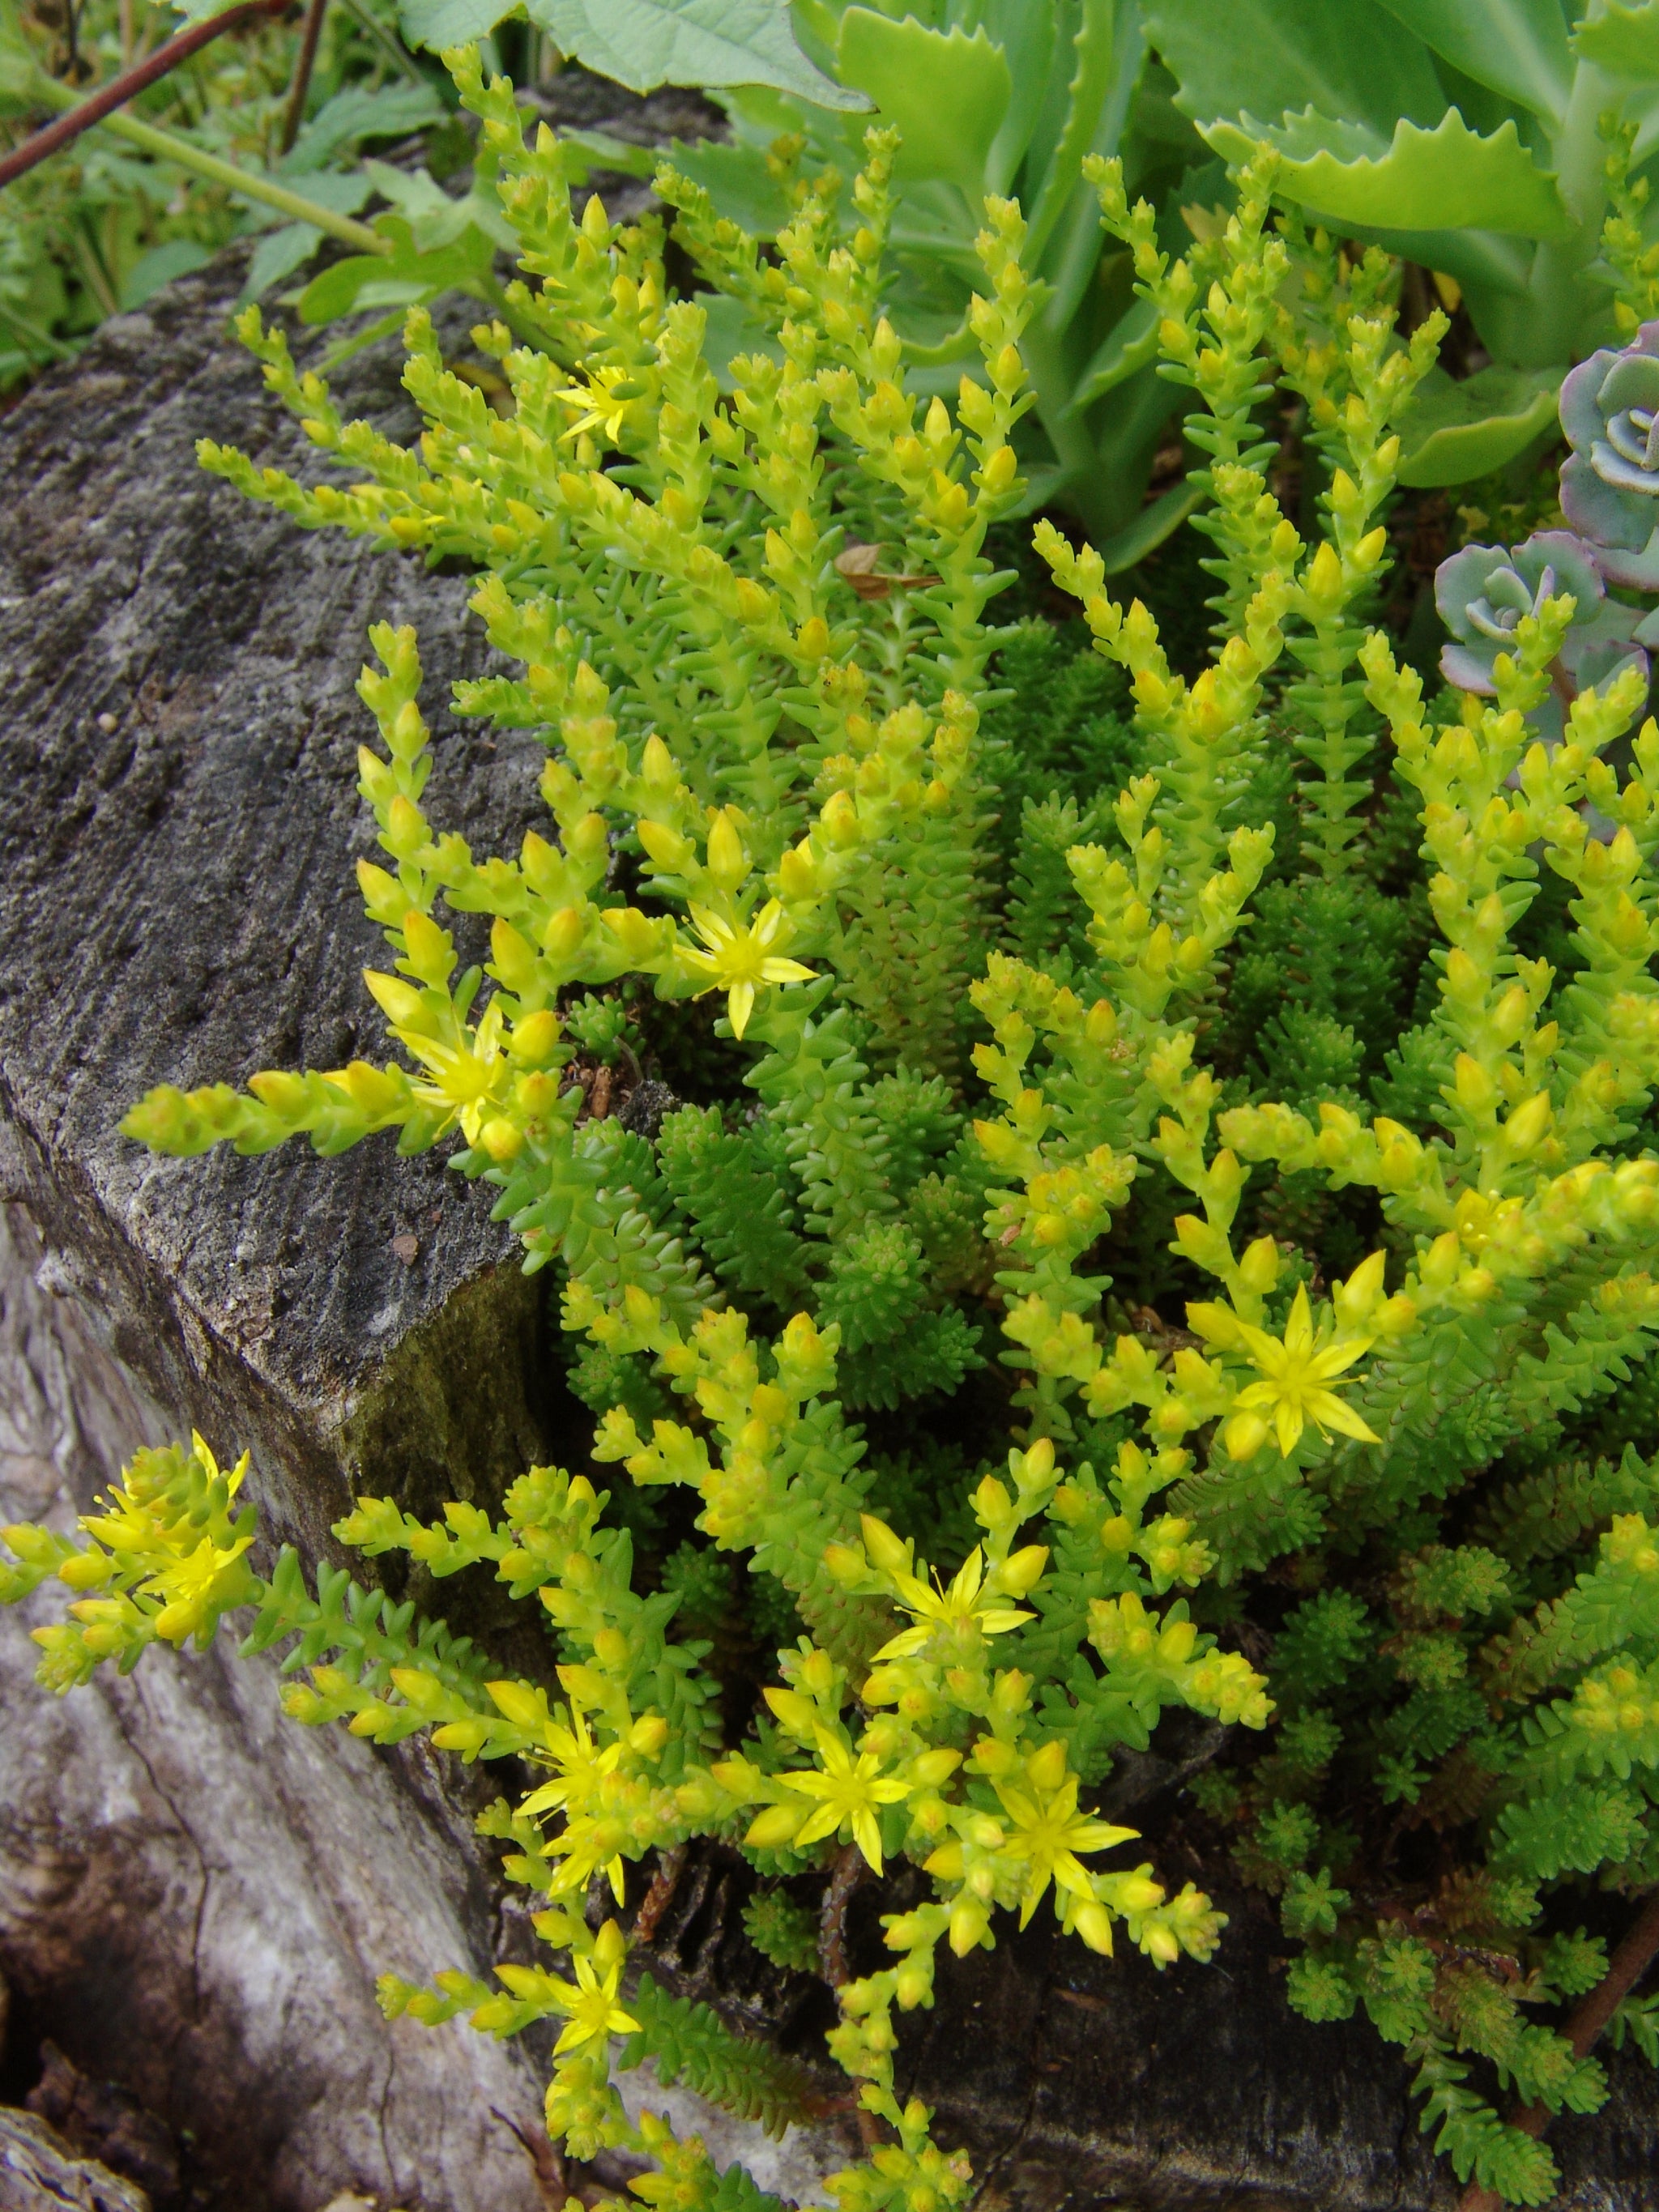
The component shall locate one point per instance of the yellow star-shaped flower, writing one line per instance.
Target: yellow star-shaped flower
(1296, 1372)
(601, 405)
(1047, 1832)
(472, 1075)
(593, 2006)
(579, 1768)
(963, 1610)
(850, 1792)
(737, 960)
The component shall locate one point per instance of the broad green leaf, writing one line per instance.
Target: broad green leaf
(1517, 47)
(434, 219)
(736, 177)
(1447, 179)
(644, 43)
(1130, 343)
(357, 114)
(174, 257)
(729, 332)
(1453, 433)
(600, 150)
(1275, 57)
(401, 278)
(946, 93)
(279, 253)
(1150, 527)
(437, 24)
(1622, 39)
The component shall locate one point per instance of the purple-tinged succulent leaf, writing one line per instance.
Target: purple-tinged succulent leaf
(1610, 483)
(1485, 592)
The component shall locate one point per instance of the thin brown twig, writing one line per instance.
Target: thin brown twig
(850, 1868)
(121, 90)
(1584, 2028)
(670, 1865)
(302, 69)
(848, 1872)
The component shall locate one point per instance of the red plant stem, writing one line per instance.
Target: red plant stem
(302, 67)
(121, 90)
(1583, 2029)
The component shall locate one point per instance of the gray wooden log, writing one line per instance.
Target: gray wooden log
(177, 825)
(197, 1897)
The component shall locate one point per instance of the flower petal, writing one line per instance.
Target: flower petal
(1330, 1412)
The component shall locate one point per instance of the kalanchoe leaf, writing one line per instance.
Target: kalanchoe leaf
(1484, 593)
(1610, 484)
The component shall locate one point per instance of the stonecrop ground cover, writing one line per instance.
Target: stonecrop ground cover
(1231, 1088)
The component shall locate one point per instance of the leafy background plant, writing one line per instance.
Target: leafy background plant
(1492, 142)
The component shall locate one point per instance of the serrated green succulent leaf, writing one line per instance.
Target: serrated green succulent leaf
(1273, 57)
(1130, 343)
(1516, 47)
(1097, 60)
(1621, 38)
(946, 91)
(1446, 179)
(1150, 527)
(1454, 432)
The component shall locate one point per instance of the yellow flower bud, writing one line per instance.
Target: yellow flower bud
(535, 1038)
(564, 932)
(1244, 1436)
(970, 1918)
(1024, 1570)
(728, 862)
(1093, 1924)
(888, 1552)
(1047, 1767)
(776, 1826)
(501, 1140)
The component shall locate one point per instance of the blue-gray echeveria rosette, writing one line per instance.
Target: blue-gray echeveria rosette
(1483, 593)
(1610, 483)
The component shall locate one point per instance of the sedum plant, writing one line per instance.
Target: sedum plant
(1088, 1060)
(1005, 99)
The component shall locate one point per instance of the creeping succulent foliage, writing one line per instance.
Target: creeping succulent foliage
(1135, 1199)
(1485, 592)
(1610, 484)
